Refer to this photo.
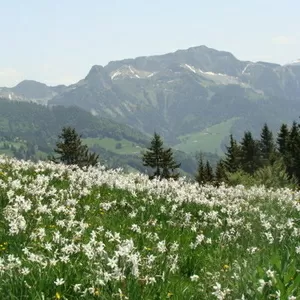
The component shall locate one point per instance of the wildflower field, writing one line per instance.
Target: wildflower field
(67, 233)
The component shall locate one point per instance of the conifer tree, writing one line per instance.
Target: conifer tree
(267, 145)
(293, 152)
(153, 157)
(209, 175)
(220, 174)
(232, 156)
(282, 139)
(200, 176)
(169, 165)
(250, 153)
(156, 157)
(71, 151)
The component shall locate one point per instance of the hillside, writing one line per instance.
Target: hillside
(96, 234)
(34, 126)
(29, 130)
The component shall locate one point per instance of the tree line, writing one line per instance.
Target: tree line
(267, 160)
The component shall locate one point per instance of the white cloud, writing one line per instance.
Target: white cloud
(10, 77)
(284, 40)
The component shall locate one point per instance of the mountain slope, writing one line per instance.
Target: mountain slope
(29, 126)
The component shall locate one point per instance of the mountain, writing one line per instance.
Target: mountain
(33, 91)
(193, 97)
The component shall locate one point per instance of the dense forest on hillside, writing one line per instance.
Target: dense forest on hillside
(36, 122)
(268, 160)
(29, 131)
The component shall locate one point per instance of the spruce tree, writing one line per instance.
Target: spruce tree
(153, 157)
(169, 165)
(200, 176)
(267, 145)
(220, 174)
(250, 153)
(293, 151)
(209, 172)
(71, 151)
(282, 139)
(161, 160)
(232, 156)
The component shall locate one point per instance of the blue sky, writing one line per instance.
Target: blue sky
(58, 41)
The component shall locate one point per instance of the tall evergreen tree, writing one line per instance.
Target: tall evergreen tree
(156, 157)
(71, 151)
(153, 157)
(282, 139)
(267, 145)
(200, 176)
(293, 152)
(169, 165)
(208, 172)
(220, 174)
(232, 156)
(250, 153)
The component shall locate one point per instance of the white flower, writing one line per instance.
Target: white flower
(24, 271)
(59, 281)
(194, 277)
(270, 273)
(77, 287)
(161, 246)
(262, 284)
(174, 247)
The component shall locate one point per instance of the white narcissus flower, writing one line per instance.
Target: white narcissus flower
(194, 277)
(59, 281)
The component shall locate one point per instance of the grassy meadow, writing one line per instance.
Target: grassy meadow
(67, 233)
(126, 146)
(208, 140)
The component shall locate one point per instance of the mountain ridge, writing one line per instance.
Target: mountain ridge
(187, 91)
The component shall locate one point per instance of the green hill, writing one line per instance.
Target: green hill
(29, 131)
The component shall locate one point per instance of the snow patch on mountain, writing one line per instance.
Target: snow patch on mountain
(245, 69)
(191, 68)
(127, 71)
(115, 74)
(218, 78)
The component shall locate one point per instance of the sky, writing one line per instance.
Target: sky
(58, 41)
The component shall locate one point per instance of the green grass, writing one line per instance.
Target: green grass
(6, 152)
(109, 144)
(15, 144)
(9, 152)
(123, 237)
(208, 140)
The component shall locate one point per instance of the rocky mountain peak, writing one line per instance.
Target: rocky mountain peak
(98, 77)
